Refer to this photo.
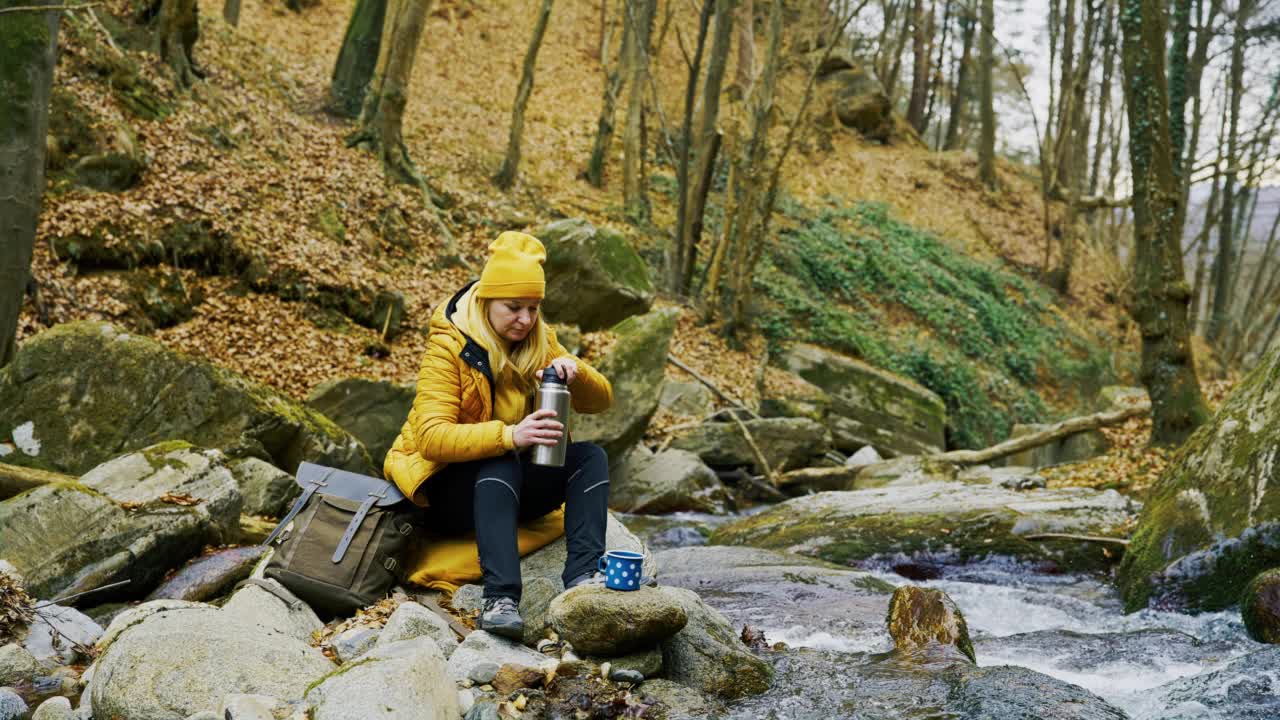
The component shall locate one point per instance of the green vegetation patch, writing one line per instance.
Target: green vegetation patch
(985, 339)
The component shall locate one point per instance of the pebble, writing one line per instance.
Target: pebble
(466, 699)
(55, 708)
(483, 711)
(483, 673)
(627, 675)
(12, 706)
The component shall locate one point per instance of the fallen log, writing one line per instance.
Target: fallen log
(15, 479)
(1044, 437)
(821, 478)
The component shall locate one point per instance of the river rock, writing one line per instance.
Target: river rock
(870, 406)
(1222, 482)
(91, 391)
(55, 708)
(600, 621)
(866, 455)
(411, 620)
(481, 648)
(57, 633)
(135, 517)
(403, 680)
(919, 616)
(681, 702)
(353, 642)
(238, 706)
(210, 576)
(670, 481)
(1260, 607)
(686, 399)
(535, 602)
(1242, 690)
(12, 706)
(944, 522)
(170, 663)
(636, 368)
(269, 606)
(708, 656)
(371, 410)
(647, 662)
(792, 442)
(266, 489)
(17, 665)
(511, 678)
(548, 561)
(594, 278)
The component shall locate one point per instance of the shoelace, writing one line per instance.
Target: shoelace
(503, 605)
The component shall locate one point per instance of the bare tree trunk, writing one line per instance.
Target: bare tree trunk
(358, 57)
(177, 29)
(1195, 72)
(1108, 52)
(635, 198)
(1160, 297)
(1066, 98)
(1202, 249)
(690, 232)
(895, 54)
(231, 12)
(676, 259)
(922, 35)
(381, 120)
(1222, 270)
(986, 55)
(30, 43)
(744, 72)
(613, 83)
(1074, 141)
(956, 116)
(936, 81)
(506, 175)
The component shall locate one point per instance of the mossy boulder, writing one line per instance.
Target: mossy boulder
(88, 392)
(870, 406)
(942, 522)
(670, 481)
(600, 621)
(594, 278)
(857, 98)
(635, 366)
(133, 518)
(708, 655)
(919, 616)
(1212, 520)
(687, 399)
(109, 172)
(1260, 607)
(371, 410)
(784, 442)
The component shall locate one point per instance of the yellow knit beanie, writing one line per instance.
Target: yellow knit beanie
(514, 269)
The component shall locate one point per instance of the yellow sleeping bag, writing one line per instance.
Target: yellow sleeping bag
(447, 563)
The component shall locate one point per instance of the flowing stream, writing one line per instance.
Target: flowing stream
(1153, 665)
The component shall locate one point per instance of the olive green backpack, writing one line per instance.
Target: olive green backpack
(347, 542)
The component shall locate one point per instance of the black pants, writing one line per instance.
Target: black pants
(492, 495)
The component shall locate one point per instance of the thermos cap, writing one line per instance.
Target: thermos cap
(551, 376)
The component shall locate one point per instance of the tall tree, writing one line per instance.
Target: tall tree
(704, 145)
(922, 36)
(511, 163)
(177, 29)
(1222, 263)
(1108, 53)
(613, 83)
(635, 199)
(30, 41)
(960, 96)
(1160, 295)
(382, 118)
(986, 58)
(358, 57)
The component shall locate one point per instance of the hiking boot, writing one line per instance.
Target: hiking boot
(587, 578)
(501, 616)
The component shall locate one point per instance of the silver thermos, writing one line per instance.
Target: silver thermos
(553, 394)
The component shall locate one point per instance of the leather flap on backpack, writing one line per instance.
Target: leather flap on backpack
(349, 485)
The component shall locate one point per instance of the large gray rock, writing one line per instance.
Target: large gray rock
(266, 489)
(125, 519)
(636, 368)
(371, 410)
(594, 278)
(17, 665)
(12, 706)
(273, 609)
(210, 576)
(789, 442)
(1242, 690)
(91, 392)
(670, 481)
(1212, 520)
(403, 680)
(482, 648)
(176, 662)
(870, 406)
(412, 620)
(55, 708)
(946, 522)
(687, 399)
(57, 634)
(600, 621)
(707, 654)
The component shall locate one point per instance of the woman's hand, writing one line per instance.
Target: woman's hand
(538, 428)
(566, 368)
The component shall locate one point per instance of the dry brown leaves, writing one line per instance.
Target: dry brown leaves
(15, 607)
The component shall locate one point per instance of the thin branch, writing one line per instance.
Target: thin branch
(712, 386)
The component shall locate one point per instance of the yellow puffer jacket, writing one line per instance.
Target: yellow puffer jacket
(452, 415)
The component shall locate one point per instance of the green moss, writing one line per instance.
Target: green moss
(1260, 607)
(340, 671)
(157, 456)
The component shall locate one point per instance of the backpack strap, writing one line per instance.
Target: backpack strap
(298, 504)
(355, 523)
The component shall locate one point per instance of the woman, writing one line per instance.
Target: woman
(461, 451)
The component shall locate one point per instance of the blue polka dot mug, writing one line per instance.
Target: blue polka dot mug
(621, 570)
